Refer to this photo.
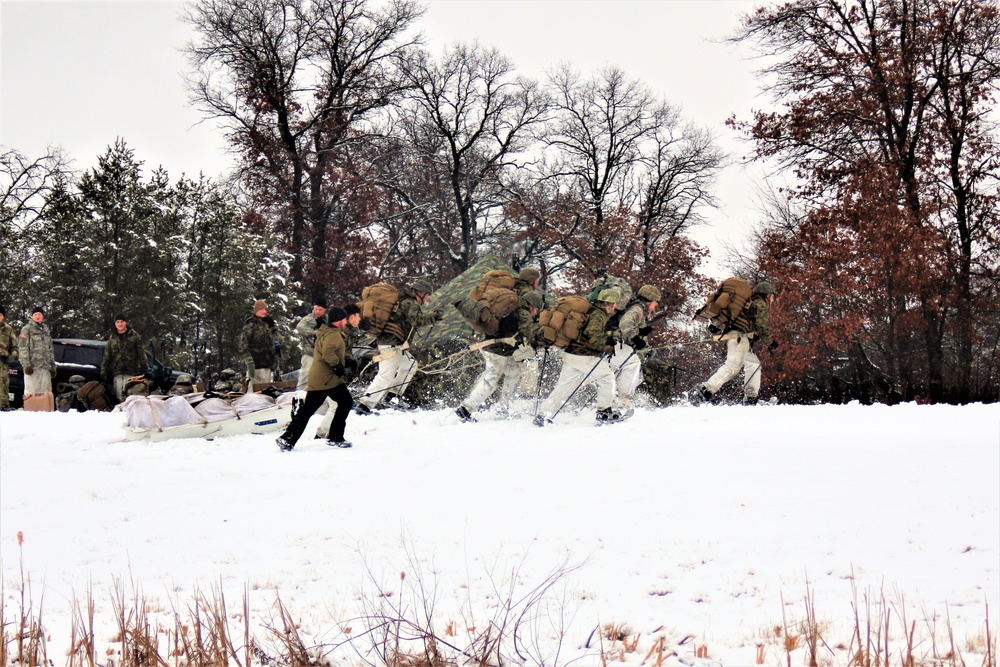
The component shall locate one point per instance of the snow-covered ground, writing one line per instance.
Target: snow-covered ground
(711, 521)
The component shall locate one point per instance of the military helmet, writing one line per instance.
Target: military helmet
(649, 293)
(764, 288)
(609, 296)
(73, 379)
(227, 373)
(421, 285)
(529, 274)
(183, 378)
(534, 299)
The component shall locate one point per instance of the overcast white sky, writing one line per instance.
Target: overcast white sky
(80, 74)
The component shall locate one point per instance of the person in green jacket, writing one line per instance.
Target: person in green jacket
(326, 381)
(740, 354)
(586, 360)
(124, 357)
(258, 341)
(8, 350)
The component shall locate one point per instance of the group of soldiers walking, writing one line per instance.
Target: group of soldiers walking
(601, 339)
(606, 349)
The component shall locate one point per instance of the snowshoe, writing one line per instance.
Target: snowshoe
(361, 409)
(608, 416)
(464, 414)
(342, 444)
(396, 402)
(539, 420)
(284, 445)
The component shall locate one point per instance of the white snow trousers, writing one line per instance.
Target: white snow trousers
(627, 367)
(394, 374)
(575, 368)
(306, 364)
(39, 382)
(738, 355)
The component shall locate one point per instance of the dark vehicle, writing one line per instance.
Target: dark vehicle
(15, 374)
(77, 356)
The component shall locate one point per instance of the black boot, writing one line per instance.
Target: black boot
(464, 414)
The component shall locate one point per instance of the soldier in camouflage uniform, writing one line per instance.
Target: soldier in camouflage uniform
(630, 334)
(527, 281)
(306, 329)
(587, 359)
(739, 348)
(8, 350)
(124, 357)
(37, 355)
(67, 394)
(397, 369)
(227, 382)
(182, 386)
(503, 361)
(258, 341)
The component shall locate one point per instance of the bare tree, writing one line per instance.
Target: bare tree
(295, 84)
(468, 122)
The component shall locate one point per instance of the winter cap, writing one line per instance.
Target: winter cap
(764, 288)
(422, 286)
(336, 314)
(259, 304)
(120, 317)
(38, 309)
(609, 296)
(319, 301)
(530, 275)
(649, 293)
(534, 299)
(352, 309)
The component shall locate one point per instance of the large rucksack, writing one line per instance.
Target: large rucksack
(485, 314)
(94, 395)
(378, 302)
(497, 278)
(726, 306)
(563, 323)
(611, 282)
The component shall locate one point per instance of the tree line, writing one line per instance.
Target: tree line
(364, 157)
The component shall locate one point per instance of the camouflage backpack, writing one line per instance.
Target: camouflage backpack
(496, 278)
(725, 307)
(485, 313)
(378, 302)
(611, 282)
(563, 323)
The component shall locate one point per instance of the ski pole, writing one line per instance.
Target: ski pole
(541, 372)
(593, 368)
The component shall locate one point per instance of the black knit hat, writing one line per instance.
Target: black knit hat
(352, 309)
(38, 309)
(3, 311)
(319, 301)
(336, 314)
(120, 317)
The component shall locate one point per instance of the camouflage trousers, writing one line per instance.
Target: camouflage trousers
(5, 388)
(496, 368)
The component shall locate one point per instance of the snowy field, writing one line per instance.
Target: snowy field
(713, 521)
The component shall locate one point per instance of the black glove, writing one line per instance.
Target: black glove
(339, 370)
(438, 315)
(712, 329)
(645, 331)
(351, 365)
(28, 370)
(638, 343)
(609, 350)
(773, 346)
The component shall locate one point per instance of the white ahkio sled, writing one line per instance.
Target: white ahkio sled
(157, 418)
